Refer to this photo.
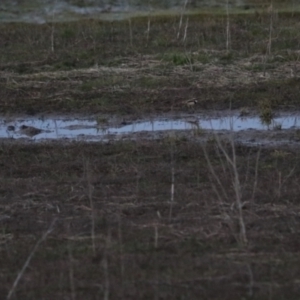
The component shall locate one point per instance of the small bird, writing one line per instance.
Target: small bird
(191, 103)
(244, 112)
(29, 130)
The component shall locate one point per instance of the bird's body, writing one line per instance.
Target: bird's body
(29, 130)
(190, 103)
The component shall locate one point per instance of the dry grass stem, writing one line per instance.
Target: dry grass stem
(148, 29)
(106, 268)
(181, 17)
(28, 260)
(52, 28)
(215, 177)
(185, 29)
(90, 197)
(271, 12)
(227, 28)
(130, 32)
(172, 178)
(237, 187)
(281, 181)
(71, 274)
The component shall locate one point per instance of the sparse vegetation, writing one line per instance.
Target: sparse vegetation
(95, 59)
(196, 216)
(130, 184)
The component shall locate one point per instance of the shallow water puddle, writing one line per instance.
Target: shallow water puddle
(90, 129)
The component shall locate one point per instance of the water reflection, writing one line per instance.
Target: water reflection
(60, 128)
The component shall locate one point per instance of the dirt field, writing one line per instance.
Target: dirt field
(119, 232)
(167, 218)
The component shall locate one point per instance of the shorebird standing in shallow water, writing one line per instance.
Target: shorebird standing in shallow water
(29, 130)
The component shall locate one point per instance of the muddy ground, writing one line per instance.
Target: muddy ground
(167, 218)
(119, 231)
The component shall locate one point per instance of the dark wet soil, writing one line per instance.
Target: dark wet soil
(118, 232)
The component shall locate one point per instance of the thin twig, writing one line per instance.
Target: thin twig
(130, 32)
(181, 16)
(27, 262)
(212, 171)
(172, 179)
(52, 28)
(90, 195)
(236, 185)
(185, 29)
(227, 28)
(270, 29)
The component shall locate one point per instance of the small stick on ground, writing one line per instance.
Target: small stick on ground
(27, 262)
(227, 29)
(90, 195)
(172, 179)
(181, 16)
